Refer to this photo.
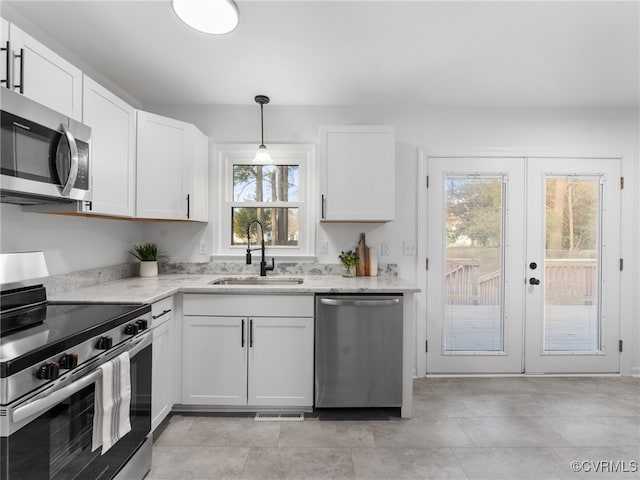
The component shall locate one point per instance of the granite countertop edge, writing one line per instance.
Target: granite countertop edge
(136, 290)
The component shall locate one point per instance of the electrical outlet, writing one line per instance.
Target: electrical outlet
(323, 248)
(203, 247)
(384, 249)
(409, 247)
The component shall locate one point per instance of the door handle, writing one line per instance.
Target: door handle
(242, 335)
(534, 281)
(250, 333)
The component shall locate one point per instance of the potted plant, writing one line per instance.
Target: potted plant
(148, 255)
(349, 261)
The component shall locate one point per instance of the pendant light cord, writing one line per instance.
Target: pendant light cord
(261, 125)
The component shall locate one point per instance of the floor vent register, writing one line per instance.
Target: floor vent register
(279, 417)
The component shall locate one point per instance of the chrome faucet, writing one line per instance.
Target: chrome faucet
(263, 264)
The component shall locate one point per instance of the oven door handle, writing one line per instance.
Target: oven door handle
(43, 404)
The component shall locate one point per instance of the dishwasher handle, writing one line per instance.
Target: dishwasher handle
(334, 302)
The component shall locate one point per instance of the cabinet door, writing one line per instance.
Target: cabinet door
(162, 376)
(214, 361)
(357, 170)
(161, 160)
(113, 150)
(197, 175)
(281, 362)
(4, 38)
(48, 78)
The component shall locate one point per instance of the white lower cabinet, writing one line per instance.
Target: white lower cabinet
(163, 324)
(215, 360)
(254, 350)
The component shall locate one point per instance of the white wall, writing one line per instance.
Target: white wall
(579, 132)
(70, 244)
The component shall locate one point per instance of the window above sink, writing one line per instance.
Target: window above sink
(279, 194)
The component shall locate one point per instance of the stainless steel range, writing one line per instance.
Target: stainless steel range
(50, 359)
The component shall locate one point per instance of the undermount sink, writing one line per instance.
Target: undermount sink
(257, 281)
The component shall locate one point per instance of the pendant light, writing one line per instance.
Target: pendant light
(262, 155)
(216, 17)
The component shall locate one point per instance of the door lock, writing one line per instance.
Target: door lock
(534, 281)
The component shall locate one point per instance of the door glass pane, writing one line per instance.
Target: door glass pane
(473, 269)
(571, 286)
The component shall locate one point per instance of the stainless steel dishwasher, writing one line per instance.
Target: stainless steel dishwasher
(358, 351)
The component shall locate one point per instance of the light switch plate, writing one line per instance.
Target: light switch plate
(203, 247)
(384, 249)
(323, 248)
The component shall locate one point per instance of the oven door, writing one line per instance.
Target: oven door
(56, 444)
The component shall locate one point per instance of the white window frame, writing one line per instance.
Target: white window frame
(221, 175)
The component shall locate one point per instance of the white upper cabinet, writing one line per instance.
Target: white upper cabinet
(171, 159)
(162, 157)
(357, 173)
(42, 75)
(5, 58)
(197, 175)
(113, 151)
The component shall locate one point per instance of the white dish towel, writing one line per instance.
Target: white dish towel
(112, 402)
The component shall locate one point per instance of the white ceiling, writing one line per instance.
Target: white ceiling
(453, 54)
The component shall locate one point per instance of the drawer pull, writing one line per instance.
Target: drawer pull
(160, 314)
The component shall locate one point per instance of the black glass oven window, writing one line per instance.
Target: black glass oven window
(26, 149)
(70, 435)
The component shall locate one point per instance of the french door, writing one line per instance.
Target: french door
(523, 257)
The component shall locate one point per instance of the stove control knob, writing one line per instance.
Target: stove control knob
(142, 324)
(131, 329)
(68, 361)
(48, 371)
(104, 343)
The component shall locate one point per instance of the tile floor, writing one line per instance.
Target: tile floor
(462, 428)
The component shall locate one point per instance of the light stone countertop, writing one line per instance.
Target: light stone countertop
(148, 290)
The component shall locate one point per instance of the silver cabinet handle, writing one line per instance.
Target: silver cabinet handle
(359, 303)
(8, 65)
(73, 159)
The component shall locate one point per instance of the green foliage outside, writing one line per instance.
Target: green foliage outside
(266, 184)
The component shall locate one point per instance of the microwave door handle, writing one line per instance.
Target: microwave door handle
(43, 404)
(74, 161)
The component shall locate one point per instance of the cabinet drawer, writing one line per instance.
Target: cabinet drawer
(249, 305)
(162, 311)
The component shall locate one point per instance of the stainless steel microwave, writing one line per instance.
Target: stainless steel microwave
(45, 155)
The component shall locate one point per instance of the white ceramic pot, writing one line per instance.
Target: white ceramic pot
(149, 269)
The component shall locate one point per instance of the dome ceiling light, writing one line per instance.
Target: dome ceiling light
(215, 17)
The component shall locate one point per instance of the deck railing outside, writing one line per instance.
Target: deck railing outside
(566, 282)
